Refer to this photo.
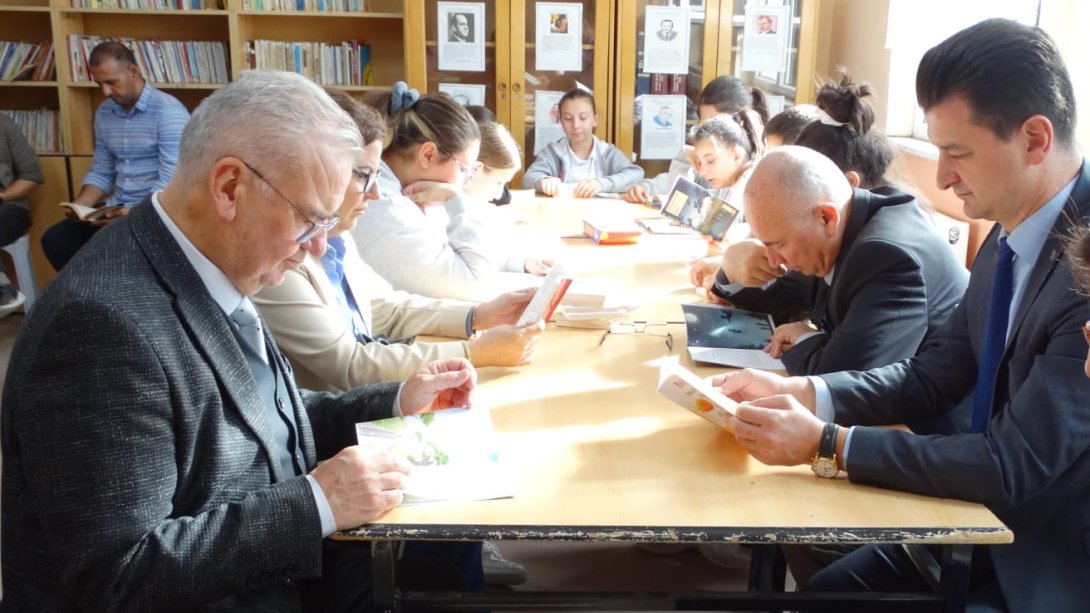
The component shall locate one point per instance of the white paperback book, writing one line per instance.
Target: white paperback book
(686, 389)
(453, 453)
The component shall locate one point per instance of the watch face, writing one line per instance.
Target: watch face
(825, 467)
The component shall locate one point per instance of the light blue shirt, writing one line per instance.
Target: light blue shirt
(227, 296)
(1026, 241)
(136, 151)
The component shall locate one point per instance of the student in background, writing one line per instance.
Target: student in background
(20, 175)
(785, 127)
(724, 95)
(137, 133)
(483, 114)
(417, 236)
(580, 158)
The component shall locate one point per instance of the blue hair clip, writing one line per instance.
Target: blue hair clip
(402, 97)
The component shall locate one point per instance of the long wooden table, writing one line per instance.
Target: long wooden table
(600, 455)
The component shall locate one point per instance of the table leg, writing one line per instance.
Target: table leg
(954, 584)
(384, 575)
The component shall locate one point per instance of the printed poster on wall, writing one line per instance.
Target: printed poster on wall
(547, 127)
(461, 36)
(464, 93)
(764, 46)
(666, 40)
(559, 40)
(662, 127)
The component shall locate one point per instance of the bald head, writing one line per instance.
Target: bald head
(795, 202)
(789, 181)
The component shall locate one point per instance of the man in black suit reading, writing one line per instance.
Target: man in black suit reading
(1001, 110)
(156, 451)
(869, 271)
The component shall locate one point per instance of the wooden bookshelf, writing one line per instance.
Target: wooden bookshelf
(384, 24)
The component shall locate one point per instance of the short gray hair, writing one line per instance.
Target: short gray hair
(263, 115)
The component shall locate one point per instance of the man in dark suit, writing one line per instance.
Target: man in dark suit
(156, 451)
(870, 272)
(1001, 110)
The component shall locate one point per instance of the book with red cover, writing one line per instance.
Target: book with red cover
(547, 298)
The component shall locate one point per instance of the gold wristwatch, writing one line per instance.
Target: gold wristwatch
(824, 463)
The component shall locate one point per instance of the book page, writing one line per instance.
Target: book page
(453, 453)
(738, 358)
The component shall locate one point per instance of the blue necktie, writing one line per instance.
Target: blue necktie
(995, 336)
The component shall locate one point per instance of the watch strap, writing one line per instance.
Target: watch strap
(828, 441)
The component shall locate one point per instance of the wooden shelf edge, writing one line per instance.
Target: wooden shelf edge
(28, 83)
(24, 9)
(367, 15)
(93, 85)
(195, 12)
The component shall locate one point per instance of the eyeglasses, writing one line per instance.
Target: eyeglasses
(317, 226)
(639, 327)
(467, 173)
(369, 178)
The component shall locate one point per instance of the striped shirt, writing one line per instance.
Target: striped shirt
(136, 151)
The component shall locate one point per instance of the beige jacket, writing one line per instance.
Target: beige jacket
(303, 315)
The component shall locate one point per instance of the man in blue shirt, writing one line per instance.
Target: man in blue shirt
(137, 132)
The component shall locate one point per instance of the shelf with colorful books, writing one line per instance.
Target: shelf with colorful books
(358, 51)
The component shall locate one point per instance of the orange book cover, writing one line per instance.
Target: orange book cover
(612, 233)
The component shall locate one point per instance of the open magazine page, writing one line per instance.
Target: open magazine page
(453, 452)
(729, 336)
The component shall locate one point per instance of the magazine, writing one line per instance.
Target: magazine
(453, 453)
(699, 208)
(729, 336)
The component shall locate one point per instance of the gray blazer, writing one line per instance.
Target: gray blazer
(139, 466)
(1032, 466)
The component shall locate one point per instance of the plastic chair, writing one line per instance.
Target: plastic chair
(24, 269)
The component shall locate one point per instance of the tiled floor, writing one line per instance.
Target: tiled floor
(568, 566)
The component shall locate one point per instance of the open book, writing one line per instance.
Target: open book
(453, 453)
(547, 297)
(699, 208)
(680, 385)
(729, 336)
(90, 213)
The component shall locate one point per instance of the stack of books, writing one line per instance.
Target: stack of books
(148, 5)
(310, 6)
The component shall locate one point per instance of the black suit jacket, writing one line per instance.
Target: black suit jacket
(139, 468)
(895, 281)
(1031, 466)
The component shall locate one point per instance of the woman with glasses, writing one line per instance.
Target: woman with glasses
(334, 316)
(418, 235)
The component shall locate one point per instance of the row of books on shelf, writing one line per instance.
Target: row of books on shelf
(347, 63)
(160, 61)
(321, 6)
(41, 127)
(21, 61)
(148, 5)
